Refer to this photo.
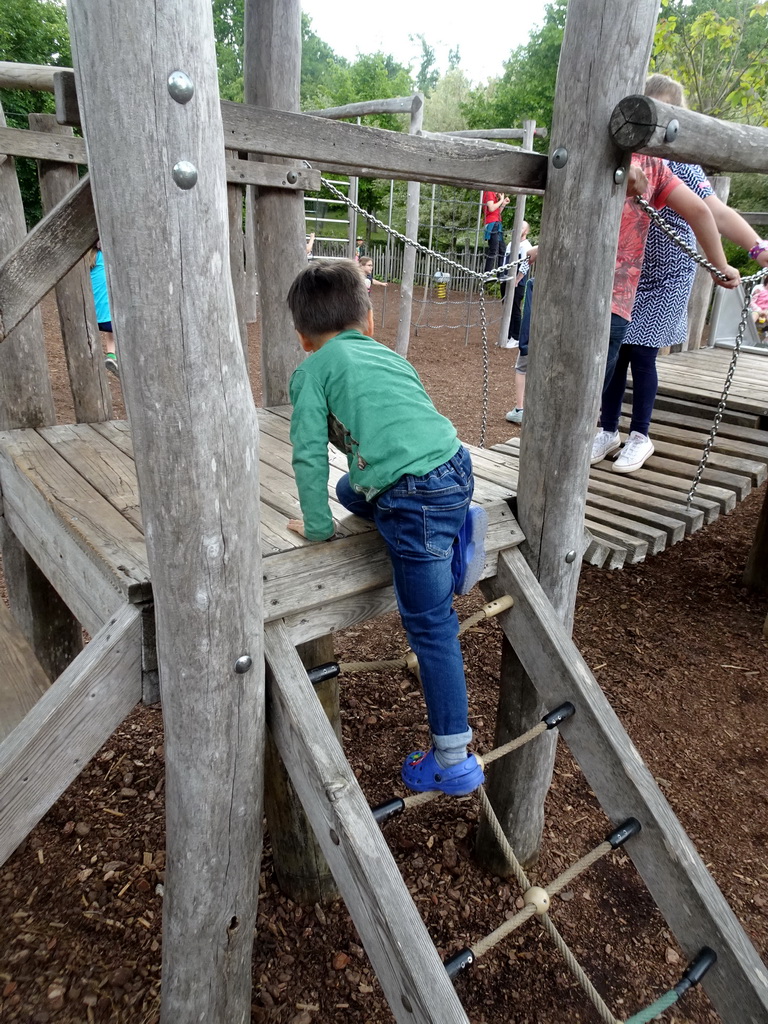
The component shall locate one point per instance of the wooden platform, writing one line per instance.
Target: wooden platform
(632, 516)
(70, 495)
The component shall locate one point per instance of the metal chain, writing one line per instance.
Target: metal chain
(724, 397)
(482, 278)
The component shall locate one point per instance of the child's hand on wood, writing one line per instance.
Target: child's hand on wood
(297, 525)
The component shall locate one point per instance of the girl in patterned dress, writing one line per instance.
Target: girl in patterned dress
(660, 311)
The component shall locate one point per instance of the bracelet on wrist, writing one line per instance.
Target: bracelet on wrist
(761, 245)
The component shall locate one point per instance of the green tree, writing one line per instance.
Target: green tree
(718, 49)
(322, 70)
(427, 76)
(228, 30)
(527, 88)
(31, 32)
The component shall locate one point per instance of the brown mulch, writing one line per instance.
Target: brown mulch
(675, 642)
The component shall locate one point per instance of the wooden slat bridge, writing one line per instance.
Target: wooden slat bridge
(632, 516)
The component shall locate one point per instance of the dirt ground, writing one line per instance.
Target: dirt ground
(676, 644)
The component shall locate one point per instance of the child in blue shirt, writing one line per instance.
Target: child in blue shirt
(409, 473)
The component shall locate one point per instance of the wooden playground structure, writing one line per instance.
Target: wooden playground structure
(147, 535)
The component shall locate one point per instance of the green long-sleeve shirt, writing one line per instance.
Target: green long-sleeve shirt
(371, 404)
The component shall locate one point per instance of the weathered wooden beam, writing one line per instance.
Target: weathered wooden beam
(404, 957)
(74, 295)
(22, 679)
(583, 203)
(27, 76)
(375, 153)
(67, 149)
(755, 217)
(47, 253)
(488, 134)
(68, 725)
(71, 150)
(394, 105)
(465, 162)
(640, 124)
(165, 237)
(665, 857)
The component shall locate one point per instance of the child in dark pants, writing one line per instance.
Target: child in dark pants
(409, 474)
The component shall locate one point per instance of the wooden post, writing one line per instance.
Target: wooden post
(26, 400)
(529, 131)
(74, 298)
(301, 870)
(235, 197)
(272, 74)
(412, 231)
(579, 233)
(701, 293)
(151, 114)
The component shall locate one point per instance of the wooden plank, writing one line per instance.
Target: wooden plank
(679, 418)
(673, 529)
(663, 854)
(723, 498)
(321, 574)
(636, 549)
(404, 957)
(68, 725)
(723, 469)
(22, 679)
(55, 512)
(48, 252)
(375, 153)
(650, 500)
(702, 510)
(639, 125)
(604, 554)
(74, 297)
(66, 149)
(705, 396)
(103, 466)
(673, 404)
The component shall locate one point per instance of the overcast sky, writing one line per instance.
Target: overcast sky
(484, 34)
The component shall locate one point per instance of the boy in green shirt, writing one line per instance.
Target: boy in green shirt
(408, 473)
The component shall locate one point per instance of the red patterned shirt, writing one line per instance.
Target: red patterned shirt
(634, 231)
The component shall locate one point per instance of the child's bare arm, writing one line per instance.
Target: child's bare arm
(685, 202)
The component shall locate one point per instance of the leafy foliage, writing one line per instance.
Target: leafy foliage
(31, 32)
(718, 49)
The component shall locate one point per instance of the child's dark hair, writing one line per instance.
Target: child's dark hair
(328, 296)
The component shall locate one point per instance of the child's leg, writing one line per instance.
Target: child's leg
(613, 393)
(645, 383)
(419, 519)
(353, 501)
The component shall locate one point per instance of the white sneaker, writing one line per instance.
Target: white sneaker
(605, 442)
(635, 452)
(514, 416)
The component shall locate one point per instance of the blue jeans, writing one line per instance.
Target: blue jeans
(494, 256)
(419, 518)
(645, 383)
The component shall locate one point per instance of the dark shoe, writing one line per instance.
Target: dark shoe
(110, 361)
(469, 550)
(422, 773)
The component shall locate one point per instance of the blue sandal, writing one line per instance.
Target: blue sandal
(422, 773)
